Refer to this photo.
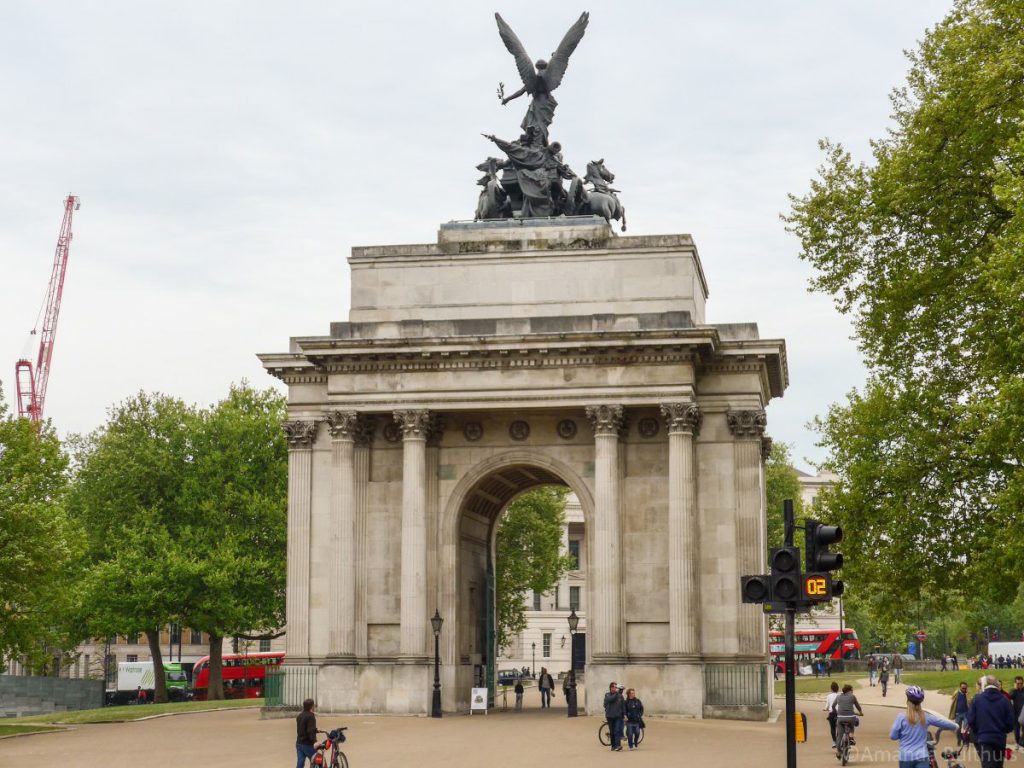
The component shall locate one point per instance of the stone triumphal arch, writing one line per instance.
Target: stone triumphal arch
(507, 355)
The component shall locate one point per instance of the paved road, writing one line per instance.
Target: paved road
(532, 738)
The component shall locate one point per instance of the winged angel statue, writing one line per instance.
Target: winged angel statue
(540, 79)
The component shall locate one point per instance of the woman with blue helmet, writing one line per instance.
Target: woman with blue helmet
(911, 730)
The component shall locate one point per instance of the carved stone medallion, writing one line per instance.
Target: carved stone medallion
(473, 431)
(392, 432)
(519, 430)
(566, 429)
(648, 427)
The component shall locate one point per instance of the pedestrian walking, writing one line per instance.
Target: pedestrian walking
(828, 667)
(872, 666)
(990, 717)
(883, 679)
(614, 711)
(945, 662)
(959, 704)
(954, 662)
(1017, 699)
(519, 694)
(305, 734)
(910, 729)
(633, 709)
(897, 667)
(140, 696)
(831, 716)
(546, 686)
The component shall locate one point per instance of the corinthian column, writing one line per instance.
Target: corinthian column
(683, 529)
(301, 435)
(341, 565)
(604, 620)
(747, 428)
(416, 427)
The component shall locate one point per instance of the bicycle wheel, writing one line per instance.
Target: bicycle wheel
(604, 735)
(846, 750)
(640, 735)
(340, 761)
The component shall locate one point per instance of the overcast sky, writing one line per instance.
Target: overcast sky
(229, 154)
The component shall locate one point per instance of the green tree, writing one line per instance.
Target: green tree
(128, 499)
(38, 543)
(781, 482)
(236, 493)
(922, 246)
(529, 555)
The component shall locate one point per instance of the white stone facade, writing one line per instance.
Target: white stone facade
(505, 356)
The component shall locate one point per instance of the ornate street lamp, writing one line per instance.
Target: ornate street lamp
(570, 699)
(436, 621)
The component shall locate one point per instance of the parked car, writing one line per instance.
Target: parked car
(508, 676)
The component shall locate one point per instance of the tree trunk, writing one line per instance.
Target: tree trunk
(159, 676)
(215, 691)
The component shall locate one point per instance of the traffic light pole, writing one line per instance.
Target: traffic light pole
(787, 511)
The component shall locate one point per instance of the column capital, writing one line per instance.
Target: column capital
(766, 449)
(300, 433)
(366, 427)
(342, 424)
(606, 419)
(418, 424)
(682, 417)
(749, 424)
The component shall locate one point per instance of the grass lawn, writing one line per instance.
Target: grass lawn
(134, 711)
(14, 730)
(946, 682)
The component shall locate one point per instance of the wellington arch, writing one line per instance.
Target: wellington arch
(505, 355)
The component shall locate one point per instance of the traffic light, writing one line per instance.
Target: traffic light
(786, 581)
(756, 589)
(820, 561)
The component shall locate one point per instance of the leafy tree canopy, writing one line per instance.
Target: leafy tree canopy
(781, 482)
(529, 555)
(922, 245)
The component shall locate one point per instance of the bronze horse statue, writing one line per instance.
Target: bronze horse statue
(601, 201)
(493, 202)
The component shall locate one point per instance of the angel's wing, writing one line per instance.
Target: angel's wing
(560, 58)
(523, 61)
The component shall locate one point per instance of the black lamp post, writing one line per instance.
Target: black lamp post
(533, 669)
(435, 622)
(570, 699)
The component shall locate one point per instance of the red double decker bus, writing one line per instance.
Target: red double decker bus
(243, 674)
(811, 644)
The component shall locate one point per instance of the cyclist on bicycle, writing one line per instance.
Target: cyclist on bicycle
(911, 730)
(847, 708)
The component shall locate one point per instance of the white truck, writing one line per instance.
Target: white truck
(1006, 649)
(132, 675)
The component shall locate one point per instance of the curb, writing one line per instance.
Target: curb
(150, 717)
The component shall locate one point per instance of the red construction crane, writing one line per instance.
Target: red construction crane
(32, 383)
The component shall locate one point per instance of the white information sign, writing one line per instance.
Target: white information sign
(478, 700)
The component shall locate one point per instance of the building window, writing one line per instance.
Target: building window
(574, 553)
(175, 633)
(197, 637)
(132, 657)
(574, 598)
(264, 645)
(133, 638)
(111, 672)
(547, 645)
(536, 601)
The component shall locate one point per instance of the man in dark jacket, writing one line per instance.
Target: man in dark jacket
(1017, 697)
(614, 711)
(305, 736)
(990, 718)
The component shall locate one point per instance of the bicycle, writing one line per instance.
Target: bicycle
(951, 756)
(337, 758)
(604, 735)
(846, 740)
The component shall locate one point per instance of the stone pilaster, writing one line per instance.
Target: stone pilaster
(341, 566)
(683, 420)
(417, 426)
(748, 428)
(301, 436)
(604, 627)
